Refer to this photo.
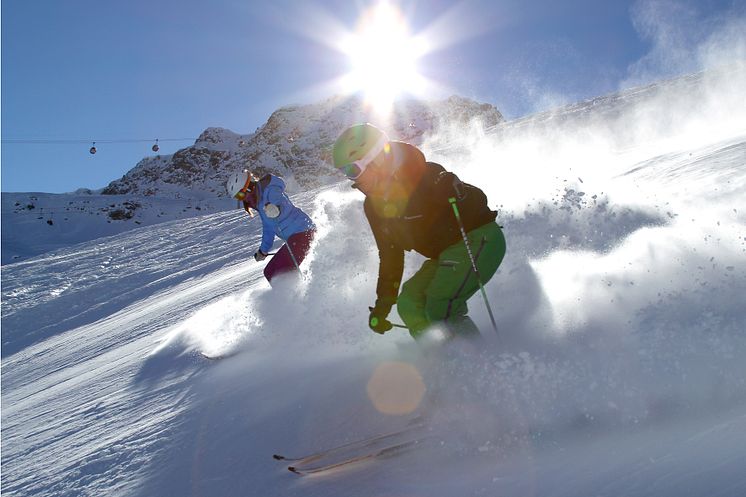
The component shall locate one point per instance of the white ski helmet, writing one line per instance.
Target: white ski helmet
(237, 182)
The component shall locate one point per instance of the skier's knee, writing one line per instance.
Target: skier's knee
(441, 310)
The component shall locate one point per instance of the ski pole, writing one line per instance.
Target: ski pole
(295, 261)
(292, 256)
(452, 200)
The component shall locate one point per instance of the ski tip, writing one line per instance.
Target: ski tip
(278, 457)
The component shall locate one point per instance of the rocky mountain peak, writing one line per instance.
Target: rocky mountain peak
(295, 143)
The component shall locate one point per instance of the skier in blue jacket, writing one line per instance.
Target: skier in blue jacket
(279, 218)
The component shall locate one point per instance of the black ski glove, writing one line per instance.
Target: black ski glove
(377, 320)
(259, 255)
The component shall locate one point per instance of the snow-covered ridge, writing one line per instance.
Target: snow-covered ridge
(701, 108)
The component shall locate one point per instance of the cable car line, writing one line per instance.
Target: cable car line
(55, 141)
(93, 149)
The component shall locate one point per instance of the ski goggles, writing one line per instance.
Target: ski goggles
(355, 169)
(248, 187)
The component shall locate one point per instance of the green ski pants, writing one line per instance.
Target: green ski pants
(440, 289)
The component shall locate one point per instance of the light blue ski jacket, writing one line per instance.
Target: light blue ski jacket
(291, 219)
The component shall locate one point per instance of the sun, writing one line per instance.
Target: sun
(383, 57)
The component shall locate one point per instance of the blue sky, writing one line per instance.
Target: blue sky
(136, 70)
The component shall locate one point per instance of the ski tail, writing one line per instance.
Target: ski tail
(388, 450)
(412, 425)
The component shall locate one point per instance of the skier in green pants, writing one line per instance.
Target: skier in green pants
(409, 207)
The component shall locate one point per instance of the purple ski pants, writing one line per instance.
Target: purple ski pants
(282, 262)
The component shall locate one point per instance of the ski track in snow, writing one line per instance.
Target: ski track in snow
(621, 318)
(88, 375)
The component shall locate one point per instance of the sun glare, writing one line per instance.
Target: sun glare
(383, 57)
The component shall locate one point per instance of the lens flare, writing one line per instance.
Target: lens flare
(396, 388)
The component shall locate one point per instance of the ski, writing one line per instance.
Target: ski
(219, 356)
(372, 454)
(413, 424)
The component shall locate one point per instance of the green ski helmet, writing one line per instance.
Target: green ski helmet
(357, 147)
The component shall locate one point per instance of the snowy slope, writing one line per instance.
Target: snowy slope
(38, 223)
(619, 372)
